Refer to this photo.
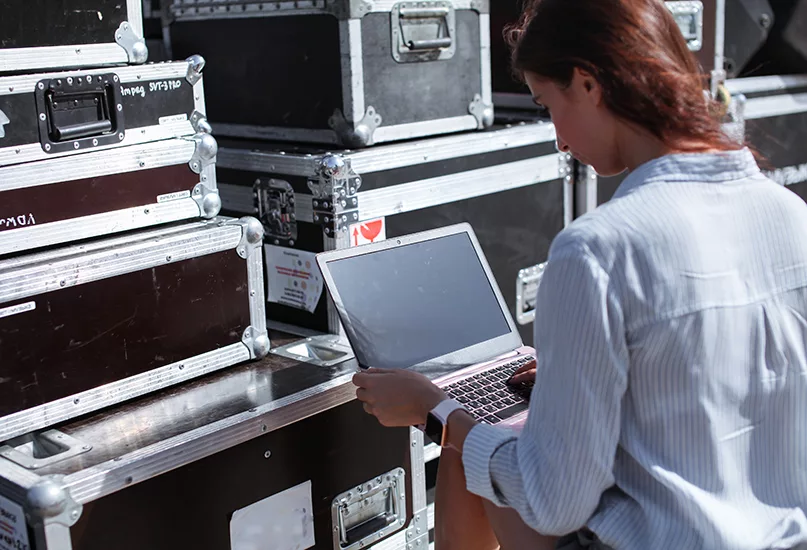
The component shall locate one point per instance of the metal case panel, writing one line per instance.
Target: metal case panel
(201, 497)
(415, 186)
(424, 96)
(776, 125)
(85, 327)
(702, 23)
(341, 61)
(203, 429)
(133, 105)
(43, 34)
(775, 118)
(82, 196)
(247, 58)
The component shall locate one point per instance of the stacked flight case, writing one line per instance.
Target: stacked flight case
(771, 115)
(133, 319)
(397, 95)
(702, 23)
(125, 303)
(342, 123)
(509, 182)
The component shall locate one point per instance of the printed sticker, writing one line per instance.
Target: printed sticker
(367, 232)
(293, 277)
(13, 531)
(19, 308)
(284, 521)
(172, 119)
(168, 197)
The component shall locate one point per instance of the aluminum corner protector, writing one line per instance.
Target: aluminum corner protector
(205, 153)
(251, 236)
(257, 341)
(196, 63)
(134, 45)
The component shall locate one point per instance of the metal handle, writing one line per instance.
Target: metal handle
(65, 107)
(689, 17)
(527, 283)
(84, 129)
(423, 13)
(81, 111)
(369, 512)
(370, 525)
(423, 32)
(436, 44)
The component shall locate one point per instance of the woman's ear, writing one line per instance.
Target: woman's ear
(588, 85)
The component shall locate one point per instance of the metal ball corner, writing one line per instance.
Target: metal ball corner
(46, 499)
(253, 230)
(261, 346)
(211, 205)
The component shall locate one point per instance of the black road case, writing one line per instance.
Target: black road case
(43, 34)
(87, 326)
(510, 183)
(701, 21)
(57, 114)
(772, 112)
(77, 197)
(269, 454)
(345, 72)
(775, 114)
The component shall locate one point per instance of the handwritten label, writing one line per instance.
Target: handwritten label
(17, 221)
(168, 197)
(164, 85)
(13, 531)
(133, 91)
(19, 308)
(156, 86)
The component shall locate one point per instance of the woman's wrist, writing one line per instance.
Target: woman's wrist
(459, 425)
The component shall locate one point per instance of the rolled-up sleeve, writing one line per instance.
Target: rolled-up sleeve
(554, 472)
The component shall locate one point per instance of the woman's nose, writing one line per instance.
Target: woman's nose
(563, 147)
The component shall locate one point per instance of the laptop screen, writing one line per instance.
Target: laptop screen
(415, 302)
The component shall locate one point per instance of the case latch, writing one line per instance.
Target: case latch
(274, 202)
(336, 203)
(369, 512)
(527, 284)
(423, 31)
(689, 16)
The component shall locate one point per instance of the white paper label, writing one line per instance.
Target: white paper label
(19, 308)
(173, 196)
(13, 532)
(366, 232)
(293, 276)
(284, 521)
(172, 119)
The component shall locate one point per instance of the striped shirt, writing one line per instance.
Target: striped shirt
(670, 405)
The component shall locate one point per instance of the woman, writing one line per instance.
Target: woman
(670, 402)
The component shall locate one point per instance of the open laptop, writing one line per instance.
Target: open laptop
(428, 302)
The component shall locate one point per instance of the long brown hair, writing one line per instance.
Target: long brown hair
(636, 52)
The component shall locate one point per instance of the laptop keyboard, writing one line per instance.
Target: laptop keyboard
(488, 397)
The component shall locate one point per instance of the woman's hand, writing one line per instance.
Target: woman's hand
(525, 373)
(397, 397)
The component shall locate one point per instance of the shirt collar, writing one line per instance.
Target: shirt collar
(692, 167)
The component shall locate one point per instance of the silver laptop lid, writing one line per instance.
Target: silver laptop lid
(426, 302)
